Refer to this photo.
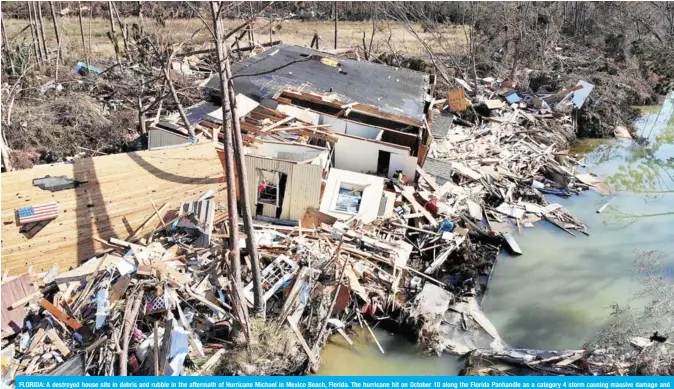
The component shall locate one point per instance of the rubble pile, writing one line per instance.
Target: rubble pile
(165, 302)
(641, 356)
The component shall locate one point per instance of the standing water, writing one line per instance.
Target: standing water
(401, 357)
(561, 290)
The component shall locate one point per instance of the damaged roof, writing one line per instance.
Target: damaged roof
(392, 90)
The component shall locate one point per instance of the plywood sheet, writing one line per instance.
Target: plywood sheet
(114, 201)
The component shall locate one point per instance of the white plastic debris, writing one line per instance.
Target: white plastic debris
(102, 307)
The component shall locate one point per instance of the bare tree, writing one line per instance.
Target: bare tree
(56, 32)
(113, 33)
(336, 17)
(123, 29)
(5, 45)
(40, 21)
(33, 34)
(84, 47)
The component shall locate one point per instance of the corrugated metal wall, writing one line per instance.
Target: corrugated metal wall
(306, 189)
(159, 138)
(303, 186)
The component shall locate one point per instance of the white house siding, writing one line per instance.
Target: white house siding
(361, 155)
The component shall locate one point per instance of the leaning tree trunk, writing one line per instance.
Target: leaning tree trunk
(174, 93)
(233, 214)
(5, 45)
(251, 245)
(113, 33)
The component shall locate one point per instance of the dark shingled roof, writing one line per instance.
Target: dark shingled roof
(441, 170)
(392, 90)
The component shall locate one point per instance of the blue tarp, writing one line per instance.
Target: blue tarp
(82, 65)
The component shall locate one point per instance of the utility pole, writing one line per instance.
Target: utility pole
(232, 214)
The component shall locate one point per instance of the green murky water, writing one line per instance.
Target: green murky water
(560, 291)
(401, 357)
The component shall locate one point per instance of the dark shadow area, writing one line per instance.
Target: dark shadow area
(91, 212)
(170, 177)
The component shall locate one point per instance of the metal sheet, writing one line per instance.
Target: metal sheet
(161, 138)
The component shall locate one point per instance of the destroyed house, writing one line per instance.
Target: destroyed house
(376, 112)
(286, 162)
(284, 179)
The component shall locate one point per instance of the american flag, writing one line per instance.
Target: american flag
(38, 213)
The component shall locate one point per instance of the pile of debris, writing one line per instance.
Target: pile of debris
(641, 356)
(167, 302)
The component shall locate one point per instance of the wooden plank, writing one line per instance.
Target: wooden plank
(277, 124)
(408, 194)
(25, 300)
(303, 342)
(58, 343)
(148, 220)
(119, 288)
(60, 315)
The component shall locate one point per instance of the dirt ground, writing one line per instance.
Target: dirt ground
(387, 34)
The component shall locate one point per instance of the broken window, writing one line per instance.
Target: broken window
(268, 187)
(349, 198)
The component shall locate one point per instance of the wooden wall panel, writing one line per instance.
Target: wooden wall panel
(113, 202)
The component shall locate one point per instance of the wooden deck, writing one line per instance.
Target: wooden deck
(113, 203)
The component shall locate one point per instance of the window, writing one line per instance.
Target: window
(268, 187)
(349, 198)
